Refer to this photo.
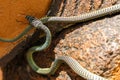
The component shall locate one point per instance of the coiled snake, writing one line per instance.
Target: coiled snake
(70, 61)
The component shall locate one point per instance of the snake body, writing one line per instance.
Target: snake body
(85, 16)
(18, 37)
(73, 19)
(76, 67)
(70, 61)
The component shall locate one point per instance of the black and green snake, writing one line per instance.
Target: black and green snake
(70, 61)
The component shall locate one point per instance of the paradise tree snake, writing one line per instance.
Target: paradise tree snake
(70, 61)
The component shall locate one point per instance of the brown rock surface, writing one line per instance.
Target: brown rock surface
(95, 46)
(63, 76)
(116, 73)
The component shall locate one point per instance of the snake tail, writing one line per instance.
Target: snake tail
(18, 37)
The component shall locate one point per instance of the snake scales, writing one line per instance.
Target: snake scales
(70, 61)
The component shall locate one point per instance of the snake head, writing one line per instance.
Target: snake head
(30, 18)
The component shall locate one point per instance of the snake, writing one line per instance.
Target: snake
(39, 23)
(58, 61)
(73, 19)
(18, 37)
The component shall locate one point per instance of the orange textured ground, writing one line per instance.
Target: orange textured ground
(12, 21)
(1, 74)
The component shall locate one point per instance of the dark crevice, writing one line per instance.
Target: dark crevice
(54, 8)
(92, 4)
(102, 2)
(77, 3)
(63, 7)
